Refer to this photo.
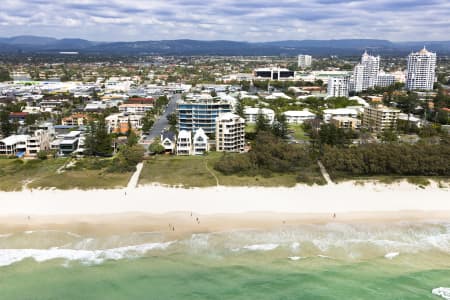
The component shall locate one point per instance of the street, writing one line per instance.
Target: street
(162, 122)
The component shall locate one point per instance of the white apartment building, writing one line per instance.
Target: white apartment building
(339, 112)
(230, 135)
(304, 61)
(420, 74)
(14, 145)
(379, 118)
(298, 116)
(200, 142)
(139, 109)
(365, 73)
(251, 114)
(385, 79)
(119, 122)
(40, 140)
(338, 86)
(184, 143)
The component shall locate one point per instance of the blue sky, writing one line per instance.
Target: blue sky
(240, 20)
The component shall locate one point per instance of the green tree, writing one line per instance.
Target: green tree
(172, 118)
(156, 147)
(103, 139)
(389, 136)
(7, 127)
(147, 123)
(132, 138)
(280, 126)
(4, 75)
(262, 123)
(90, 139)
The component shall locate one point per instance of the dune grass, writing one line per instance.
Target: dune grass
(198, 171)
(15, 174)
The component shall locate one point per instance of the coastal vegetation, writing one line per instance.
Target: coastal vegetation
(199, 171)
(60, 173)
(387, 159)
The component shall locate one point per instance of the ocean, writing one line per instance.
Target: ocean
(329, 261)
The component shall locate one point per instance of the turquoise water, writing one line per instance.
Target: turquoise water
(333, 261)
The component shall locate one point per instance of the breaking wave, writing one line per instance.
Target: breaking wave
(11, 256)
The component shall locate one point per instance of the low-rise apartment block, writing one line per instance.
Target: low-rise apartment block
(251, 114)
(298, 116)
(346, 122)
(379, 118)
(135, 108)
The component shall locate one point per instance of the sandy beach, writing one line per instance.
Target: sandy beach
(152, 208)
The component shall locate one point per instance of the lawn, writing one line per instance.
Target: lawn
(16, 173)
(298, 133)
(198, 171)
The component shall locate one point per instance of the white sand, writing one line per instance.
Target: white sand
(341, 198)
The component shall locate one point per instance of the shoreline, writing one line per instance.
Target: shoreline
(152, 207)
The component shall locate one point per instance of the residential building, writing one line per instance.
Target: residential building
(14, 145)
(135, 108)
(149, 100)
(168, 141)
(274, 73)
(366, 72)
(304, 61)
(119, 122)
(378, 118)
(298, 116)
(200, 142)
(346, 122)
(69, 143)
(420, 74)
(40, 140)
(75, 120)
(385, 79)
(18, 117)
(338, 86)
(184, 143)
(339, 112)
(251, 114)
(201, 113)
(230, 135)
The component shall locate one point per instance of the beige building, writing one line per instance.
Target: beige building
(230, 135)
(75, 120)
(346, 122)
(379, 118)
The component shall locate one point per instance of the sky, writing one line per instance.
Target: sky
(238, 20)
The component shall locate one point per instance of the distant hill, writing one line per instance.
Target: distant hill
(343, 47)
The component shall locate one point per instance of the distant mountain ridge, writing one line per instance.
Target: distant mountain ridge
(37, 44)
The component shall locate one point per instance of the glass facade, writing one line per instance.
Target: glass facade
(192, 116)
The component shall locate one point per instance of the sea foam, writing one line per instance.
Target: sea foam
(261, 247)
(295, 258)
(11, 256)
(442, 292)
(391, 255)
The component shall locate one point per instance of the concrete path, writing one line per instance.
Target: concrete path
(324, 172)
(134, 180)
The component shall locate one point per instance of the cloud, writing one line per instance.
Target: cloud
(252, 20)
